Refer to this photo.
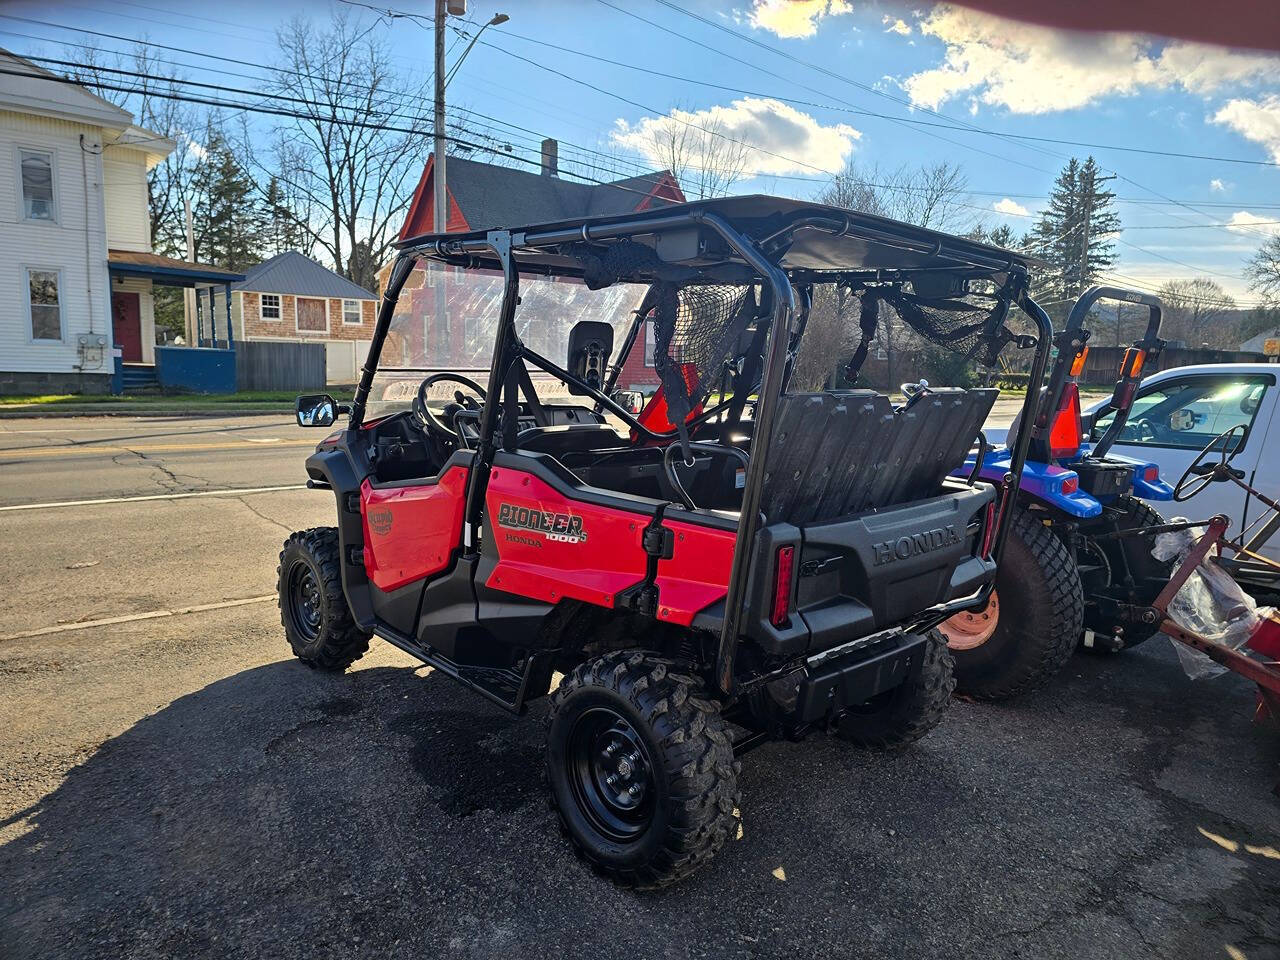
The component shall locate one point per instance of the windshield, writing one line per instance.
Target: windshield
(446, 320)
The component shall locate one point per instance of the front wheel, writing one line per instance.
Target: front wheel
(1126, 573)
(1030, 626)
(641, 768)
(313, 609)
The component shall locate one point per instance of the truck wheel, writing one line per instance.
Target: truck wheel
(641, 768)
(903, 715)
(1145, 568)
(1032, 622)
(317, 621)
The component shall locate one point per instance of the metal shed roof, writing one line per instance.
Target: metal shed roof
(293, 273)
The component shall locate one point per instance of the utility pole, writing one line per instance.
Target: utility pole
(188, 294)
(441, 199)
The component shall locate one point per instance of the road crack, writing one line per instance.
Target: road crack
(262, 516)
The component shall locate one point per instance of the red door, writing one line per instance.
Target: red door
(126, 325)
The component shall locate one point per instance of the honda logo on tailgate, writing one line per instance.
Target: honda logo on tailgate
(903, 548)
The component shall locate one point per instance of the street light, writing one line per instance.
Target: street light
(498, 18)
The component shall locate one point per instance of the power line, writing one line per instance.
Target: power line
(871, 113)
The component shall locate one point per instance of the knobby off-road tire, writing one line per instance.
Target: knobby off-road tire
(313, 609)
(1142, 564)
(1041, 616)
(646, 722)
(901, 716)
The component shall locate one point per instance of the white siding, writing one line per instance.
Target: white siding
(75, 245)
(125, 198)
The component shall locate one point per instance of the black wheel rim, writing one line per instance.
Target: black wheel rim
(611, 775)
(304, 600)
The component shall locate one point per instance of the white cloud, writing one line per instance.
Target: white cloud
(1033, 69)
(795, 18)
(785, 140)
(196, 150)
(1216, 185)
(1242, 221)
(1010, 207)
(898, 26)
(1256, 120)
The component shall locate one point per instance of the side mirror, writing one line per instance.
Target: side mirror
(590, 346)
(1182, 420)
(631, 401)
(317, 410)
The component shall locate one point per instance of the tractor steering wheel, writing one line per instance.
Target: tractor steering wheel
(1201, 473)
(444, 425)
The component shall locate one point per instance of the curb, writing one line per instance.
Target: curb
(97, 411)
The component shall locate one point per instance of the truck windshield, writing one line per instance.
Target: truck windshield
(460, 338)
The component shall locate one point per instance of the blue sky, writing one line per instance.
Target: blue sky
(916, 65)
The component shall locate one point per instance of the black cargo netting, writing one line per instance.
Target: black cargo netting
(695, 329)
(970, 325)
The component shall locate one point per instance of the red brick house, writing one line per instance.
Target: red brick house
(483, 196)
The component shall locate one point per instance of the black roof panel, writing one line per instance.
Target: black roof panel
(825, 238)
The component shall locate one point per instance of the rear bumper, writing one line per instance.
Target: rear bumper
(854, 678)
(871, 572)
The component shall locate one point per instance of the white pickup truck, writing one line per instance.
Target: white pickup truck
(1178, 411)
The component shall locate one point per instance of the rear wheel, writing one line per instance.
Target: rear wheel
(1118, 560)
(313, 609)
(641, 768)
(903, 715)
(1030, 627)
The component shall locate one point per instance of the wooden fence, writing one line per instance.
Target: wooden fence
(279, 365)
(1102, 366)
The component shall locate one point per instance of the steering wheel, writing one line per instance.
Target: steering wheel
(712, 448)
(1201, 473)
(444, 424)
(1138, 431)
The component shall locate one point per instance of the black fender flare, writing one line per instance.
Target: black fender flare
(333, 466)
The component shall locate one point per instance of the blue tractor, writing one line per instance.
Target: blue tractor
(1076, 563)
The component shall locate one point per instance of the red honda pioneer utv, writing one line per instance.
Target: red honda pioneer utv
(736, 563)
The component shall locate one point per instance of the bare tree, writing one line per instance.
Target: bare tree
(1263, 269)
(928, 196)
(1198, 311)
(353, 156)
(704, 156)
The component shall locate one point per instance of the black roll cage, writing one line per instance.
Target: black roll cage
(763, 258)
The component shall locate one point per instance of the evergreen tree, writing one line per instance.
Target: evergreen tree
(281, 230)
(226, 215)
(1074, 233)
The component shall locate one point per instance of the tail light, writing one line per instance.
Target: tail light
(989, 530)
(1064, 435)
(1151, 474)
(783, 575)
(1077, 365)
(1070, 484)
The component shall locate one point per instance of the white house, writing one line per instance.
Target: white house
(76, 267)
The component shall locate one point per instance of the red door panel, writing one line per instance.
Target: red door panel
(410, 532)
(551, 547)
(697, 575)
(126, 325)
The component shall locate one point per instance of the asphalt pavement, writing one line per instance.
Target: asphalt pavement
(173, 784)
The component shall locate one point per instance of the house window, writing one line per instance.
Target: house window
(312, 315)
(351, 313)
(37, 185)
(271, 306)
(650, 344)
(44, 306)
